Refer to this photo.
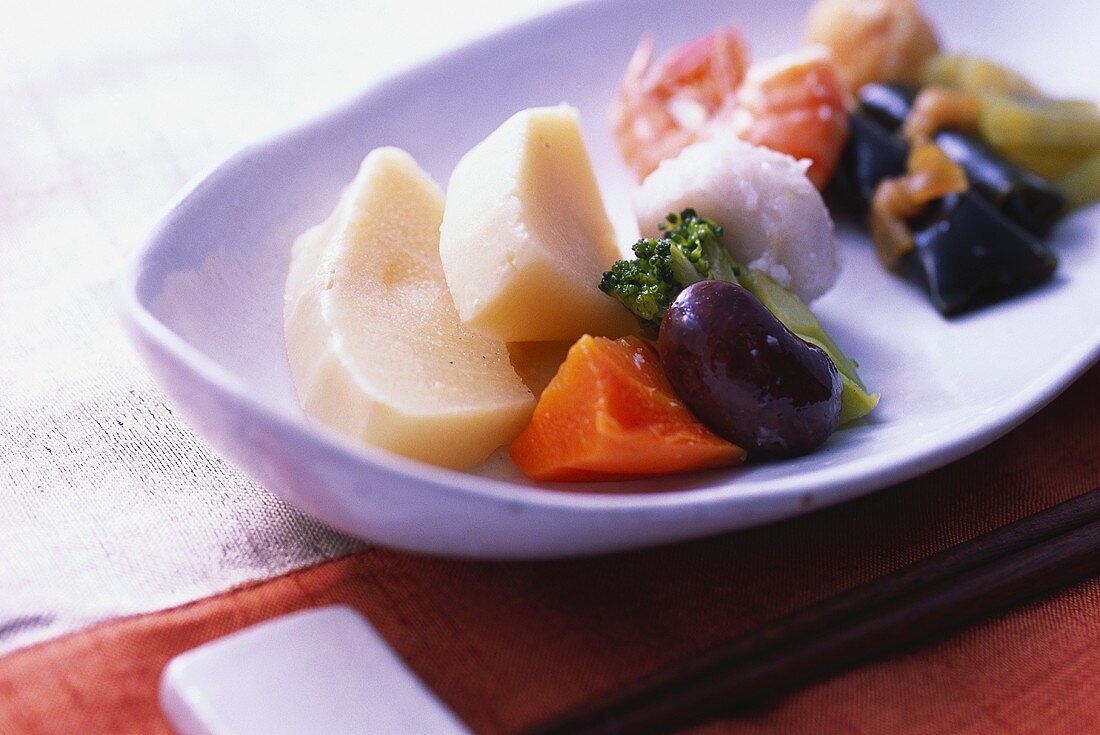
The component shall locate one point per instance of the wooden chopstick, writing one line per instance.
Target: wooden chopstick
(1043, 552)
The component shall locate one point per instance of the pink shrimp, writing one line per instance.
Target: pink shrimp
(795, 104)
(665, 107)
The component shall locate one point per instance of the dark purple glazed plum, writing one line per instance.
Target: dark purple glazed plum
(745, 375)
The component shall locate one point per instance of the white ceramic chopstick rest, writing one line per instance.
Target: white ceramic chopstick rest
(324, 670)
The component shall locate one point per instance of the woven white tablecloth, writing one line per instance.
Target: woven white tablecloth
(109, 504)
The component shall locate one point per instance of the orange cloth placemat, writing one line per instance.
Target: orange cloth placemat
(505, 644)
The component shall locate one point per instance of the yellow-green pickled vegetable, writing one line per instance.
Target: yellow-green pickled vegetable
(976, 75)
(1012, 123)
(855, 401)
(1051, 164)
(1082, 184)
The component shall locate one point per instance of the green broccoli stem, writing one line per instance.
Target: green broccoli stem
(722, 265)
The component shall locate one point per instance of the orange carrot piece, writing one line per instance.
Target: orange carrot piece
(610, 414)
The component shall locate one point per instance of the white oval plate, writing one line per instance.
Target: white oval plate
(203, 300)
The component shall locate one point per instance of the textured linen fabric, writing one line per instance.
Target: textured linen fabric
(507, 644)
(111, 505)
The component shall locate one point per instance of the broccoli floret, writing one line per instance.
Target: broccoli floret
(698, 252)
(644, 285)
(689, 250)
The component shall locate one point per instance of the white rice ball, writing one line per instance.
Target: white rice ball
(773, 218)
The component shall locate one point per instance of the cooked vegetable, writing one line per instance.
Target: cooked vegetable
(1051, 165)
(978, 75)
(644, 285)
(1083, 182)
(969, 255)
(1044, 135)
(1025, 198)
(375, 347)
(610, 414)
(1049, 137)
(1012, 122)
(745, 375)
(874, 40)
(536, 363)
(525, 235)
(697, 250)
(856, 401)
(690, 251)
